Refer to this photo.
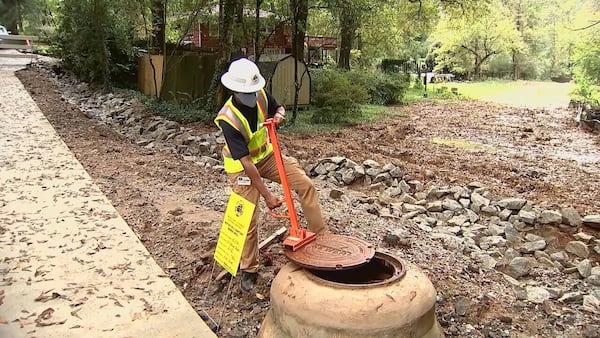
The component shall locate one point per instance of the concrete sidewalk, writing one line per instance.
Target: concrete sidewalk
(69, 264)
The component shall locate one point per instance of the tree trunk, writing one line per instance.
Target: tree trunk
(257, 43)
(348, 27)
(300, 10)
(516, 69)
(227, 17)
(477, 68)
(158, 9)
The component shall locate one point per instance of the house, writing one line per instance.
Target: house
(318, 48)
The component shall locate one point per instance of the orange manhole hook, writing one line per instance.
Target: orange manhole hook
(297, 236)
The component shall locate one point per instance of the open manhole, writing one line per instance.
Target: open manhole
(382, 269)
(332, 252)
(386, 297)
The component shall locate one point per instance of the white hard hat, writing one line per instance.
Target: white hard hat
(243, 76)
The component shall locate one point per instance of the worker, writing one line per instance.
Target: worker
(248, 157)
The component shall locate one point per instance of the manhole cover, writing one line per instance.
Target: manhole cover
(332, 252)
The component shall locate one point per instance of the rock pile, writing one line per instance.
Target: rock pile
(497, 233)
(130, 118)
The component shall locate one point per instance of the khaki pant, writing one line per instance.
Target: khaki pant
(299, 182)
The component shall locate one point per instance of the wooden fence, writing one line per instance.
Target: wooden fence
(184, 78)
(181, 78)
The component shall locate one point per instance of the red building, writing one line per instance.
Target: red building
(318, 48)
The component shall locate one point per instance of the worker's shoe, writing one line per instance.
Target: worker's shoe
(248, 281)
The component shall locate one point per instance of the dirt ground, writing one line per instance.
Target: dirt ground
(538, 155)
(176, 208)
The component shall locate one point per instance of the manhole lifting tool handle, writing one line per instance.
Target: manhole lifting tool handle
(298, 236)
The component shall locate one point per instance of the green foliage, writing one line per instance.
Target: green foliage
(383, 88)
(340, 96)
(587, 75)
(304, 124)
(336, 100)
(82, 40)
(469, 43)
(500, 67)
(33, 17)
(184, 112)
(587, 93)
(586, 58)
(395, 65)
(94, 39)
(179, 111)
(398, 29)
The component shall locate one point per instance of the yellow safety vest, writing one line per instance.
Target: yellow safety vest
(258, 142)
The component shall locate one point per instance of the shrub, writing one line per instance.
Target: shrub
(383, 88)
(336, 100)
(586, 93)
(184, 112)
(396, 65)
(94, 41)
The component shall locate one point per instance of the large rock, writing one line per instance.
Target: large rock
(478, 201)
(450, 204)
(570, 216)
(519, 267)
(512, 203)
(527, 217)
(537, 295)
(533, 246)
(578, 248)
(370, 164)
(550, 217)
(592, 221)
(584, 268)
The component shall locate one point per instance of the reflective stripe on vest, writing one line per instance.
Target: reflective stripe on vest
(257, 142)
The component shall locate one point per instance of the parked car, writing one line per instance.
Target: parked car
(26, 44)
(3, 31)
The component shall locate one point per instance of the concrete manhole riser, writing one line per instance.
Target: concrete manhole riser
(303, 305)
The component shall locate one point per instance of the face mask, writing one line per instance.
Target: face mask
(247, 99)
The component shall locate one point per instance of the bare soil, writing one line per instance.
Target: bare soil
(176, 208)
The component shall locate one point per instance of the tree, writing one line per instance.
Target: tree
(82, 39)
(404, 34)
(349, 23)
(229, 13)
(159, 26)
(10, 15)
(299, 9)
(348, 15)
(466, 45)
(94, 38)
(28, 16)
(586, 54)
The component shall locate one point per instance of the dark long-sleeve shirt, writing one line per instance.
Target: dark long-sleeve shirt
(235, 141)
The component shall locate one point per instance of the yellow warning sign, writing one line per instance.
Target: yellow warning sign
(234, 229)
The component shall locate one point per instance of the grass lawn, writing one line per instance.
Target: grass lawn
(532, 94)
